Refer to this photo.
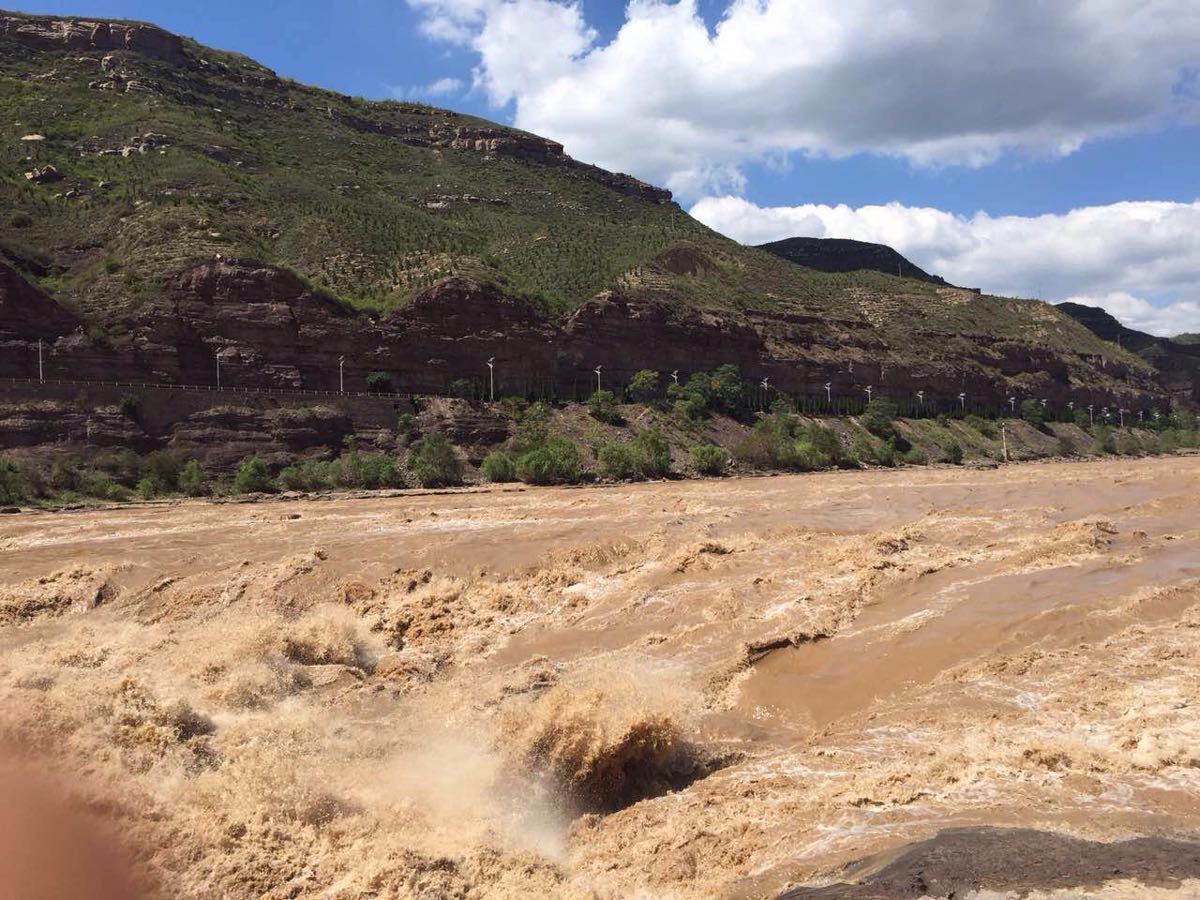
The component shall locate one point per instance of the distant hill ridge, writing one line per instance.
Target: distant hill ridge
(1178, 360)
(845, 255)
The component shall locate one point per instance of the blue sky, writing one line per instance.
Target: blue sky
(1022, 147)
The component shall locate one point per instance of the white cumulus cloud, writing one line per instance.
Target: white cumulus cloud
(678, 103)
(1138, 260)
(440, 87)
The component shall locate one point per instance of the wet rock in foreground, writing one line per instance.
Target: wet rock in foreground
(960, 860)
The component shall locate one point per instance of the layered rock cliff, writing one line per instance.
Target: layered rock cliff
(262, 326)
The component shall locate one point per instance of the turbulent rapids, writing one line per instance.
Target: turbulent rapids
(843, 685)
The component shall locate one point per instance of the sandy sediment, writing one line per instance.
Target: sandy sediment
(723, 688)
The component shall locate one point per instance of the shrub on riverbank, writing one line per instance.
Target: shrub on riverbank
(434, 461)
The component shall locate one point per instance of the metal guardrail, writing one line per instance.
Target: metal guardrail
(842, 406)
(204, 388)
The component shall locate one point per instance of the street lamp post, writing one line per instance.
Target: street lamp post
(921, 400)
(1091, 414)
(1012, 404)
(597, 371)
(829, 393)
(675, 376)
(869, 388)
(491, 364)
(41, 371)
(962, 401)
(766, 386)
(341, 375)
(217, 355)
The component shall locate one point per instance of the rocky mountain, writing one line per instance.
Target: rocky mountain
(844, 255)
(1177, 361)
(170, 209)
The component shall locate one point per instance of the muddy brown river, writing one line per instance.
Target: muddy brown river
(820, 684)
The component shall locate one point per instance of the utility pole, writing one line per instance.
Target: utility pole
(491, 364)
(1004, 439)
(341, 375)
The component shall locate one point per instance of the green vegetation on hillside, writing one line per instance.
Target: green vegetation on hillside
(541, 451)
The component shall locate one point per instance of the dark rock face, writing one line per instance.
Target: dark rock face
(1179, 363)
(842, 255)
(27, 314)
(52, 33)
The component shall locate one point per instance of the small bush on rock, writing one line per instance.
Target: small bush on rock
(554, 462)
(499, 467)
(602, 406)
(709, 459)
(651, 453)
(617, 460)
(12, 483)
(253, 477)
(644, 387)
(191, 479)
(434, 463)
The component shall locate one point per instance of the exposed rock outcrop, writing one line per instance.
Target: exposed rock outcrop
(222, 436)
(502, 142)
(55, 33)
(55, 423)
(43, 175)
